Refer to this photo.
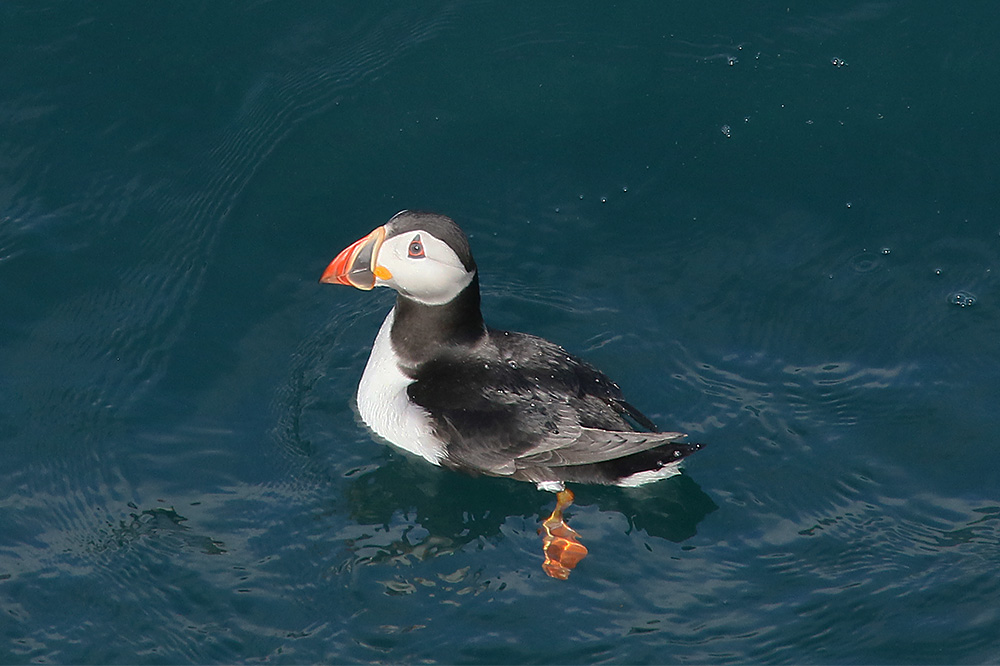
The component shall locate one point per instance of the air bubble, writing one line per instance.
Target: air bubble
(962, 299)
(727, 130)
(837, 62)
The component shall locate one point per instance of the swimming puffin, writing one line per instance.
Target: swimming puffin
(443, 385)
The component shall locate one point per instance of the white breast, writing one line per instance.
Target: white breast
(385, 407)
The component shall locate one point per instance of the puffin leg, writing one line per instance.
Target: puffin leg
(560, 542)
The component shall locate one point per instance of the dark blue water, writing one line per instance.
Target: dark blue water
(776, 226)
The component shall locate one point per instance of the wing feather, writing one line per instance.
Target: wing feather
(594, 446)
(519, 402)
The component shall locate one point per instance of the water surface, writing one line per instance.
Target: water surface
(774, 226)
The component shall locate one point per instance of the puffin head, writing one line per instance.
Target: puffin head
(423, 256)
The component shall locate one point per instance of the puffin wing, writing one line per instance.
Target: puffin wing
(525, 402)
(596, 446)
(488, 417)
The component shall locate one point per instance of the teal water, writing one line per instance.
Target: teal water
(775, 225)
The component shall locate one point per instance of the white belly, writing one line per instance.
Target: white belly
(385, 407)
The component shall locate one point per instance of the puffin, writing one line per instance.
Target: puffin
(443, 385)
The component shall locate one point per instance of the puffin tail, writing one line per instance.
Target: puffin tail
(633, 470)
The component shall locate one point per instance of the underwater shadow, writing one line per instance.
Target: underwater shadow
(460, 509)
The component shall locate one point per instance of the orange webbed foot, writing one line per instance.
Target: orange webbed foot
(560, 543)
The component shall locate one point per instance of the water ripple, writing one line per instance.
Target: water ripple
(119, 330)
(79, 360)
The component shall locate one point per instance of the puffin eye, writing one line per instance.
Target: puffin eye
(416, 250)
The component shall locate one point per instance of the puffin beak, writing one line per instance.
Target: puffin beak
(356, 266)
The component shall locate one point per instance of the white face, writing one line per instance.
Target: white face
(422, 267)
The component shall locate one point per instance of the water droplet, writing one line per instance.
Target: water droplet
(962, 299)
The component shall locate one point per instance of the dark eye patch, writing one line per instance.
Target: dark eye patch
(416, 249)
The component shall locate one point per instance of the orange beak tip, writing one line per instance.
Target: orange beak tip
(354, 266)
(330, 275)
